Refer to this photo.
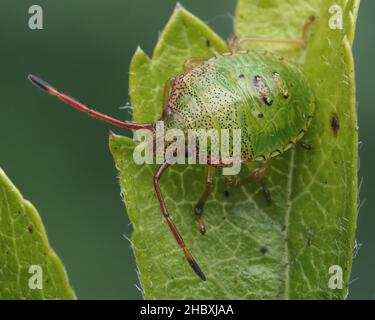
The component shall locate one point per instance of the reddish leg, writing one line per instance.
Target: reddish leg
(192, 63)
(235, 44)
(166, 94)
(41, 84)
(167, 90)
(258, 174)
(198, 210)
(171, 224)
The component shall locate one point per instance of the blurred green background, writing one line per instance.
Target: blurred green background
(59, 158)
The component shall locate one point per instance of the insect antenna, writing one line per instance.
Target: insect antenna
(46, 87)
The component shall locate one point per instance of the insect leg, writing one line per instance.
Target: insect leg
(307, 27)
(304, 145)
(258, 174)
(193, 62)
(198, 210)
(171, 224)
(41, 84)
(167, 90)
(297, 43)
(166, 94)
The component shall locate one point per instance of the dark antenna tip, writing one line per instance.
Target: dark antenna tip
(197, 269)
(41, 84)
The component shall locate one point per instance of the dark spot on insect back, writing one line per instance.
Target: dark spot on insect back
(260, 115)
(334, 122)
(241, 76)
(263, 250)
(226, 194)
(30, 229)
(208, 43)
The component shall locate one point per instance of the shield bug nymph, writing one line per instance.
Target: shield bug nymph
(257, 92)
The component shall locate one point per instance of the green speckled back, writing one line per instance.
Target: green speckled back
(260, 93)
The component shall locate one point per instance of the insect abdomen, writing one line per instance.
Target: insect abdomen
(268, 99)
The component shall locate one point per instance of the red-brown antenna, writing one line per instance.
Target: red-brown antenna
(44, 86)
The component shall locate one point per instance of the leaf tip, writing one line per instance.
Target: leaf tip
(139, 50)
(111, 135)
(139, 57)
(114, 139)
(178, 9)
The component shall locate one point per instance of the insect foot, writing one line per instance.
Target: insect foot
(305, 145)
(198, 210)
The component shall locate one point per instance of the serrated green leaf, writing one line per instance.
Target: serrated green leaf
(322, 208)
(251, 250)
(24, 243)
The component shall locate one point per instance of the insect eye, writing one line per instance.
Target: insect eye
(167, 112)
(263, 91)
(283, 88)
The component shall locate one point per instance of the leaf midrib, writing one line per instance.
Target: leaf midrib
(286, 223)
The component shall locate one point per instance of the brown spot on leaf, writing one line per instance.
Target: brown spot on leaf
(334, 122)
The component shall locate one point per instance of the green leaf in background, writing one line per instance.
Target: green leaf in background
(251, 250)
(24, 243)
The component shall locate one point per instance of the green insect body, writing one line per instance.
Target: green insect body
(264, 97)
(258, 92)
